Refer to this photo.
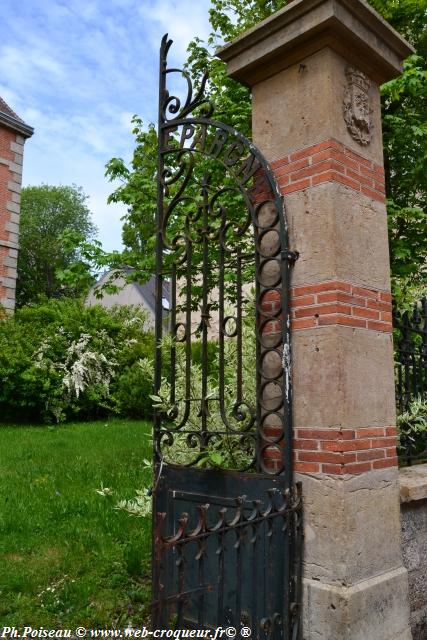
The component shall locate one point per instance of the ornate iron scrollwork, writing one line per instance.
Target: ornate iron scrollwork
(220, 230)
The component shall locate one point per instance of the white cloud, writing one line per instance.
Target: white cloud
(68, 164)
(10, 96)
(77, 71)
(23, 65)
(182, 20)
(125, 120)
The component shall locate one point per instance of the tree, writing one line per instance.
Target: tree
(46, 212)
(404, 102)
(404, 114)
(404, 110)
(405, 153)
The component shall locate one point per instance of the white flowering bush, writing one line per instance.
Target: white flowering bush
(84, 366)
(61, 360)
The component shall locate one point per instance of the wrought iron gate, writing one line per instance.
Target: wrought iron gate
(227, 515)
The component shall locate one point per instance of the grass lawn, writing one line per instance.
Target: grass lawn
(67, 557)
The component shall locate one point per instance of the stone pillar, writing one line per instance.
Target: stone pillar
(314, 69)
(13, 133)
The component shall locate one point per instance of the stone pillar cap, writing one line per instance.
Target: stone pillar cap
(350, 27)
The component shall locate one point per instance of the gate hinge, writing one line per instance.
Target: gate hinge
(290, 256)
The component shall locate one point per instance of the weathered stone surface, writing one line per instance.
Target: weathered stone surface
(13, 227)
(414, 545)
(418, 589)
(419, 625)
(15, 217)
(354, 513)
(411, 555)
(15, 168)
(374, 609)
(19, 159)
(413, 483)
(13, 206)
(350, 27)
(17, 147)
(304, 105)
(414, 520)
(12, 273)
(15, 187)
(13, 240)
(7, 282)
(339, 235)
(9, 261)
(338, 383)
(8, 303)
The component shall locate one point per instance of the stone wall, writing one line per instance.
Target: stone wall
(413, 482)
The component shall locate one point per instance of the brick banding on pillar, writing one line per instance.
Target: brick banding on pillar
(328, 161)
(330, 303)
(345, 451)
(315, 69)
(340, 303)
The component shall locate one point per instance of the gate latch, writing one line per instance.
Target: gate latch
(290, 256)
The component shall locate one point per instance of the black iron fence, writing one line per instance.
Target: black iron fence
(410, 348)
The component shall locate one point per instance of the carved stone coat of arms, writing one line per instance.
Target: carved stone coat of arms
(356, 106)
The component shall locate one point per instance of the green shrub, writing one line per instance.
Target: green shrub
(132, 391)
(61, 360)
(412, 428)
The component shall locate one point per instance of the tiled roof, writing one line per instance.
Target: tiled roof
(9, 118)
(4, 108)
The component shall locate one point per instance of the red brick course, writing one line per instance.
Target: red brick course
(345, 451)
(334, 451)
(330, 303)
(328, 161)
(340, 303)
(6, 138)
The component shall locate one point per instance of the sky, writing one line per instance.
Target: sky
(77, 71)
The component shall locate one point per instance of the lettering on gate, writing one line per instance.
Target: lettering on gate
(214, 142)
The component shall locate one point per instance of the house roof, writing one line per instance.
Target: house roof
(148, 291)
(12, 121)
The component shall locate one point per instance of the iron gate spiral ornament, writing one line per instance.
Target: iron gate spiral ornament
(227, 518)
(220, 225)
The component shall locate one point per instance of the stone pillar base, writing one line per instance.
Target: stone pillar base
(374, 609)
(355, 587)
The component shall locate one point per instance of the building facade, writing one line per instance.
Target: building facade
(13, 133)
